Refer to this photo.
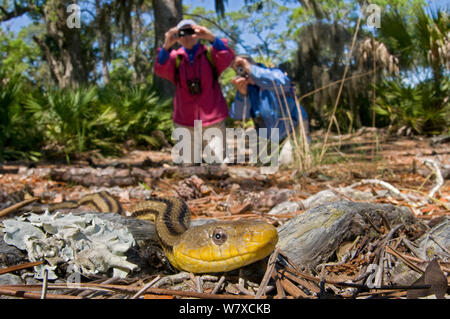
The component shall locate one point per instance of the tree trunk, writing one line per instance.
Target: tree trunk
(167, 14)
(62, 47)
(104, 36)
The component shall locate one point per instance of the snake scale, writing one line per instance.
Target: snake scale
(213, 247)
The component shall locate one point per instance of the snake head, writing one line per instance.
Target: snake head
(223, 246)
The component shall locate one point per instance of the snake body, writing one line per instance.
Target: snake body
(102, 202)
(212, 247)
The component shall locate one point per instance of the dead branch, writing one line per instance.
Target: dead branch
(439, 179)
(270, 268)
(19, 267)
(15, 207)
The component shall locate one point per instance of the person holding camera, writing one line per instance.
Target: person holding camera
(194, 69)
(266, 95)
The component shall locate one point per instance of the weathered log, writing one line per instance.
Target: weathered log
(313, 237)
(112, 176)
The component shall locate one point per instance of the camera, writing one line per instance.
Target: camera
(240, 71)
(194, 86)
(185, 32)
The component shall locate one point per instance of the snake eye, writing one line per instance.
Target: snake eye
(219, 236)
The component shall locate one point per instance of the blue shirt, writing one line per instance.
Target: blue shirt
(262, 102)
(164, 54)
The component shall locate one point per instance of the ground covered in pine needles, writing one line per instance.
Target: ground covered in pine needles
(369, 166)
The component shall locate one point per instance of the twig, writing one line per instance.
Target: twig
(173, 279)
(380, 270)
(292, 289)
(289, 261)
(334, 83)
(15, 207)
(171, 292)
(199, 283)
(322, 282)
(294, 135)
(392, 251)
(44, 284)
(435, 200)
(389, 187)
(20, 266)
(124, 288)
(302, 127)
(310, 286)
(288, 132)
(424, 181)
(439, 179)
(89, 292)
(281, 294)
(241, 288)
(270, 267)
(342, 83)
(370, 221)
(219, 283)
(386, 185)
(32, 295)
(352, 285)
(148, 285)
(340, 193)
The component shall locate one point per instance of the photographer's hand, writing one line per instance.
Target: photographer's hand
(203, 33)
(240, 84)
(238, 61)
(170, 38)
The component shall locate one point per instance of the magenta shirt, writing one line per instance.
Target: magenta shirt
(209, 106)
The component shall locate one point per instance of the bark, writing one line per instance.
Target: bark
(62, 47)
(104, 36)
(167, 14)
(110, 176)
(134, 58)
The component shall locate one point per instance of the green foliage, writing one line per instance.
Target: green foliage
(420, 42)
(418, 107)
(139, 112)
(67, 118)
(72, 121)
(18, 138)
(116, 44)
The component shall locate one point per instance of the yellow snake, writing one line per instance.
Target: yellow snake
(213, 247)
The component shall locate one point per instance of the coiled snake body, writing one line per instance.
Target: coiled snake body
(212, 247)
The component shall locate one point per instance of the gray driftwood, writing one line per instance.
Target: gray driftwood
(111, 176)
(313, 237)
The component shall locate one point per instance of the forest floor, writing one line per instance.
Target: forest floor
(360, 160)
(395, 160)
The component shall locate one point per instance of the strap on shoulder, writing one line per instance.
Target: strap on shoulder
(211, 63)
(177, 69)
(208, 57)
